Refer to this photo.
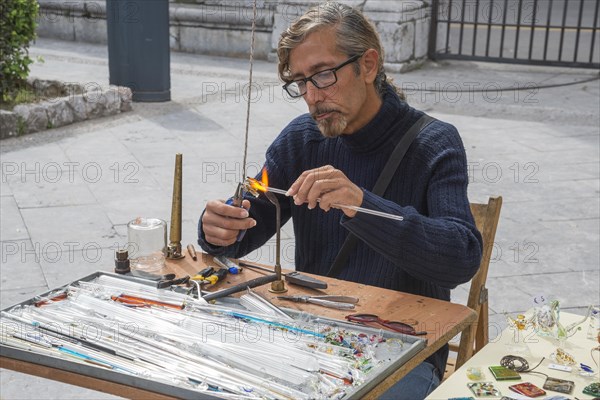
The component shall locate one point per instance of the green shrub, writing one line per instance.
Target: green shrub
(17, 30)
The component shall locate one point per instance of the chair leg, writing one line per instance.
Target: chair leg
(465, 349)
(482, 336)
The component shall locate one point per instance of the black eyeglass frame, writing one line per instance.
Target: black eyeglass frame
(310, 78)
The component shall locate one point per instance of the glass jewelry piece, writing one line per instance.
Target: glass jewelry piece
(562, 357)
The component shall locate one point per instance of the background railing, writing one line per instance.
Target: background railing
(540, 32)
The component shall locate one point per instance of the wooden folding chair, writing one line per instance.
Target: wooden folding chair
(476, 335)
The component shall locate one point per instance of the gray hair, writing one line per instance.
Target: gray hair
(354, 35)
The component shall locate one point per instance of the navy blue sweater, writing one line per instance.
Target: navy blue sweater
(435, 248)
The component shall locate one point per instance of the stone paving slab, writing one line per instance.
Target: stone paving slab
(572, 289)
(14, 385)
(52, 187)
(9, 297)
(20, 267)
(58, 227)
(13, 227)
(5, 189)
(70, 263)
(480, 83)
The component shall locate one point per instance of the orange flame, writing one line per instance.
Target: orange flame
(265, 178)
(261, 185)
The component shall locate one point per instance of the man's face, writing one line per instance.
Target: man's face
(340, 108)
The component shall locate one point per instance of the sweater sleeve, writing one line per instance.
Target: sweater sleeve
(440, 244)
(262, 210)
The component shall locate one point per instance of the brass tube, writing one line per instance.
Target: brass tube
(277, 286)
(174, 248)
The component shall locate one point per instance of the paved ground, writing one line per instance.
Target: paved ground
(67, 194)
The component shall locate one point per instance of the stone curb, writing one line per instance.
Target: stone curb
(79, 104)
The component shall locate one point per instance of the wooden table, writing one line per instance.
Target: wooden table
(442, 321)
(532, 347)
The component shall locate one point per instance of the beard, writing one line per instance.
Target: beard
(332, 126)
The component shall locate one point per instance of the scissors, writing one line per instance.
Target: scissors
(339, 302)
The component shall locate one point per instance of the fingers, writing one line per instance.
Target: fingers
(246, 204)
(328, 187)
(221, 223)
(345, 195)
(309, 185)
(311, 174)
(318, 193)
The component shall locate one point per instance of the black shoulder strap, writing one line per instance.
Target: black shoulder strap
(381, 185)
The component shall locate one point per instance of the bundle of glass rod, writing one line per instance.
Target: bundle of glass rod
(255, 302)
(225, 351)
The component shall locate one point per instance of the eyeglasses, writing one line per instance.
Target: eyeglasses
(321, 79)
(400, 327)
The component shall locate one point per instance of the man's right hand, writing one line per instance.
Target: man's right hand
(221, 223)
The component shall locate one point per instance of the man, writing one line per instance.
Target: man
(332, 57)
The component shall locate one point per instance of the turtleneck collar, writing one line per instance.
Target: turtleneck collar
(376, 133)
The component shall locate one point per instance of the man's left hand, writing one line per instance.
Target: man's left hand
(328, 187)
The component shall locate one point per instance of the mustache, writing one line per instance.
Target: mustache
(322, 110)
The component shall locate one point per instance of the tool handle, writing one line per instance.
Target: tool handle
(332, 304)
(341, 299)
(201, 275)
(171, 282)
(218, 276)
(225, 262)
(299, 279)
(242, 286)
(236, 203)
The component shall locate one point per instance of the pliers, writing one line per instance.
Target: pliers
(170, 280)
(339, 302)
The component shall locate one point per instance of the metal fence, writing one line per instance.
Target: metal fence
(542, 32)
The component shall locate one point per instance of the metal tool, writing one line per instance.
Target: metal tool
(238, 288)
(174, 247)
(192, 252)
(278, 285)
(240, 190)
(299, 279)
(122, 263)
(238, 196)
(294, 277)
(249, 100)
(331, 301)
(236, 201)
(153, 277)
(165, 283)
(225, 262)
(202, 275)
(217, 276)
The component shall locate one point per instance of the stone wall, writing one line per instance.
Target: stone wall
(223, 27)
(63, 105)
(403, 27)
(82, 21)
(212, 27)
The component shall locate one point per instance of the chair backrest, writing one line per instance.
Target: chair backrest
(477, 335)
